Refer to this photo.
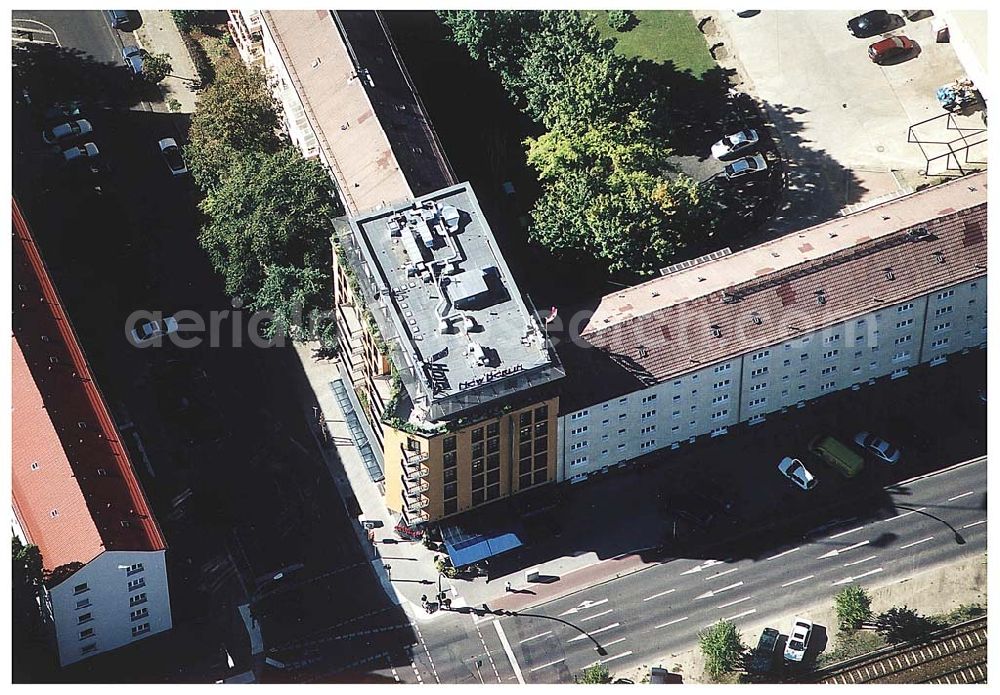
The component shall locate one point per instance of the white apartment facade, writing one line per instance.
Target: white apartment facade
(880, 339)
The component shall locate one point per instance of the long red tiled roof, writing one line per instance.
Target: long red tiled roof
(73, 501)
(756, 310)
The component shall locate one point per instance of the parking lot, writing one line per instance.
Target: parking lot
(841, 119)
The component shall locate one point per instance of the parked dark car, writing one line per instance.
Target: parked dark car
(119, 19)
(887, 49)
(694, 507)
(869, 23)
(763, 656)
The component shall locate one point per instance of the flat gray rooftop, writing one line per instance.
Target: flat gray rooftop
(459, 332)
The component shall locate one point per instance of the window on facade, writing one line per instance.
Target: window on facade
(758, 372)
(718, 399)
(578, 430)
(758, 386)
(134, 584)
(80, 588)
(134, 569)
(648, 429)
(138, 614)
(141, 629)
(451, 506)
(88, 648)
(623, 400)
(84, 618)
(477, 434)
(647, 445)
(449, 459)
(137, 599)
(541, 413)
(904, 323)
(786, 363)
(449, 443)
(903, 339)
(944, 310)
(542, 428)
(721, 384)
(648, 414)
(757, 402)
(621, 446)
(939, 343)
(829, 370)
(831, 354)
(579, 414)
(576, 446)
(900, 356)
(450, 490)
(87, 633)
(648, 399)
(720, 414)
(762, 355)
(578, 461)
(830, 339)
(478, 496)
(945, 294)
(827, 386)
(723, 368)
(83, 603)
(904, 307)
(675, 414)
(941, 327)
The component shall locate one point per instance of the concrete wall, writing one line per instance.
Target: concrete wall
(104, 602)
(879, 343)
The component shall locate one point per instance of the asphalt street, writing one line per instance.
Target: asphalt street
(642, 617)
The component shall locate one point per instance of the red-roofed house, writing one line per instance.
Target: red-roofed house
(75, 493)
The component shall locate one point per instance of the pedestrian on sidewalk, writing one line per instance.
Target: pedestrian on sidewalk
(507, 588)
(388, 570)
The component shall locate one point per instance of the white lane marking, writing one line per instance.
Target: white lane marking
(721, 574)
(775, 557)
(858, 562)
(47, 29)
(612, 626)
(612, 658)
(912, 511)
(796, 581)
(709, 594)
(958, 497)
(583, 606)
(838, 551)
(662, 593)
(671, 622)
(510, 652)
(528, 639)
(551, 663)
(595, 615)
(922, 540)
(844, 533)
(733, 603)
(702, 566)
(974, 523)
(617, 641)
(847, 580)
(734, 617)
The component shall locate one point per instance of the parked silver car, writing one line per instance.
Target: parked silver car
(65, 132)
(878, 446)
(149, 330)
(744, 166)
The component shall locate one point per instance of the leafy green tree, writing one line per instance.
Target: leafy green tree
(620, 20)
(854, 607)
(722, 648)
(236, 114)
(269, 210)
(155, 67)
(902, 624)
(26, 584)
(297, 299)
(187, 20)
(597, 674)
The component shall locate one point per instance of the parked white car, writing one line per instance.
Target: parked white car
(736, 144)
(149, 330)
(797, 473)
(878, 446)
(66, 131)
(798, 639)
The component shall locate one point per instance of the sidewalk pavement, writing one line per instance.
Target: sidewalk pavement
(413, 572)
(159, 34)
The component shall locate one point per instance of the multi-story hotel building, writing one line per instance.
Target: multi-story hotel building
(735, 337)
(446, 372)
(75, 494)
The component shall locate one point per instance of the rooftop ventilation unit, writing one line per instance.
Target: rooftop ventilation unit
(821, 297)
(889, 275)
(450, 216)
(756, 319)
(919, 234)
(684, 265)
(716, 330)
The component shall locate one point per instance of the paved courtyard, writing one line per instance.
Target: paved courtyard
(842, 121)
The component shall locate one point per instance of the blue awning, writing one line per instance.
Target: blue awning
(466, 548)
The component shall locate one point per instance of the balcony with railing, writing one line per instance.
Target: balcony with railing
(414, 486)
